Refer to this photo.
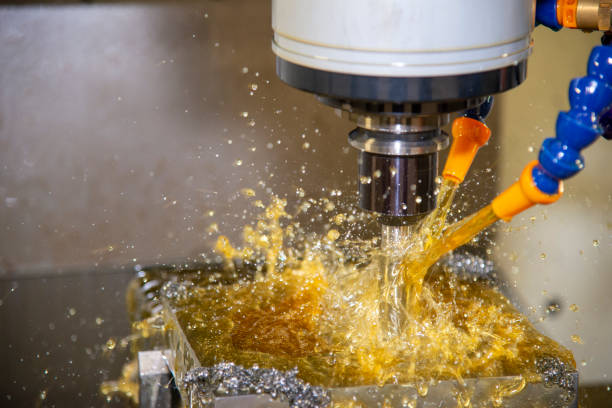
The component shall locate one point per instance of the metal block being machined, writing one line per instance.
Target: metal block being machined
(228, 385)
(156, 385)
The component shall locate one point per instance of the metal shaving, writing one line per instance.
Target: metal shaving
(468, 266)
(175, 290)
(556, 372)
(230, 379)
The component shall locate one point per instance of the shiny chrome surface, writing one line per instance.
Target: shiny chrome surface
(398, 123)
(398, 186)
(399, 144)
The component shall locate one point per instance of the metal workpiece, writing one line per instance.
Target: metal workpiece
(156, 384)
(439, 394)
(397, 186)
(227, 385)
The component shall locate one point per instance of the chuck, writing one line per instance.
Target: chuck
(398, 155)
(397, 171)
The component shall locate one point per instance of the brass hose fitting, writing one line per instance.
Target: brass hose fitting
(586, 15)
(594, 14)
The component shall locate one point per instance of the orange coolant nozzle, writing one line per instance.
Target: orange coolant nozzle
(469, 135)
(522, 195)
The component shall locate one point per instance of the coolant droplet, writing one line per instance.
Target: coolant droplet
(333, 235)
(247, 192)
(111, 344)
(577, 339)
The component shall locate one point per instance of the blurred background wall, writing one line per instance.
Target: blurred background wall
(128, 129)
(122, 127)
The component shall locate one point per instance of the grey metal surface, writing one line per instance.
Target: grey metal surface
(155, 380)
(419, 141)
(394, 122)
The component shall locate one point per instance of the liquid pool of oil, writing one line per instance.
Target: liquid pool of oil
(321, 312)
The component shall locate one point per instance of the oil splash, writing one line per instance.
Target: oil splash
(126, 386)
(312, 307)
